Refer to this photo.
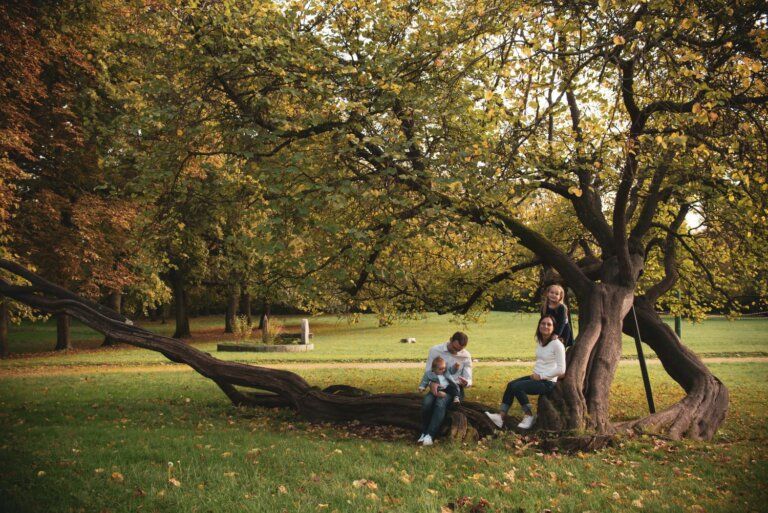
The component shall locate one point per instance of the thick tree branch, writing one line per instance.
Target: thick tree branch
(670, 262)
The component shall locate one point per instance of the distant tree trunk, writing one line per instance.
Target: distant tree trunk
(265, 312)
(4, 328)
(181, 306)
(115, 302)
(245, 302)
(63, 340)
(233, 292)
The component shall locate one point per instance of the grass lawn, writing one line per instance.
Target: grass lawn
(103, 442)
(502, 336)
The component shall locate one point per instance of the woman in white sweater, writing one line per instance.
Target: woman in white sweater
(550, 365)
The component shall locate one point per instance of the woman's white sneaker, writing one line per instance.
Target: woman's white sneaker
(421, 438)
(527, 422)
(427, 440)
(496, 419)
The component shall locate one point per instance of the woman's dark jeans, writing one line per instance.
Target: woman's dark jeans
(520, 388)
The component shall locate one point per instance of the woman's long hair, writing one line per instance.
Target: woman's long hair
(538, 336)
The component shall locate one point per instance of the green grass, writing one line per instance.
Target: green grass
(102, 442)
(502, 336)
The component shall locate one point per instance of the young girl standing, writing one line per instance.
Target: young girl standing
(550, 365)
(552, 304)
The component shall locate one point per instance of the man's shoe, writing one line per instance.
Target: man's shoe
(496, 419)
(527, 422)
(421, 438)
(427, 440)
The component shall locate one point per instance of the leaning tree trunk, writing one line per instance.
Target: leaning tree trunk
(115, 302)
(283, 388)
(581, 399)
(699, 414)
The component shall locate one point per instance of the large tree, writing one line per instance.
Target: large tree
(637, 116)
(426, 153)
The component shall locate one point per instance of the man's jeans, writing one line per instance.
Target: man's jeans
(520, 388)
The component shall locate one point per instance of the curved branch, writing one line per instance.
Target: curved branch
(670, 262)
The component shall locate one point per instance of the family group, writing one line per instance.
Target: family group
(449, 370)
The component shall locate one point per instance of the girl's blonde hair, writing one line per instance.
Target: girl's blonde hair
(436, 363)
(545, 300)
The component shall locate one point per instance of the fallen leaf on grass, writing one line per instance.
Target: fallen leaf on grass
(117, 477)
(41, 473)
(282, 489)
(637, 503)
(175, 482)
(359, 483)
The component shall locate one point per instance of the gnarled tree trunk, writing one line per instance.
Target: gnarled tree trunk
(581, 398)
(699, 414)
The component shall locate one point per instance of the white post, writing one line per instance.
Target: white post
(305, 331)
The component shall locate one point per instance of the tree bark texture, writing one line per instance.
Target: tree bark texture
(115, 302)
(63, 340)
(181, 307)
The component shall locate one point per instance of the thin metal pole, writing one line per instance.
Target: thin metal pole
(643, 368)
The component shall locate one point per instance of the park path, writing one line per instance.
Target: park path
(62, 370)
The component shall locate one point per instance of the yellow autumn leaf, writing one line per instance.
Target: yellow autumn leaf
(175, 482)
(618, 40)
